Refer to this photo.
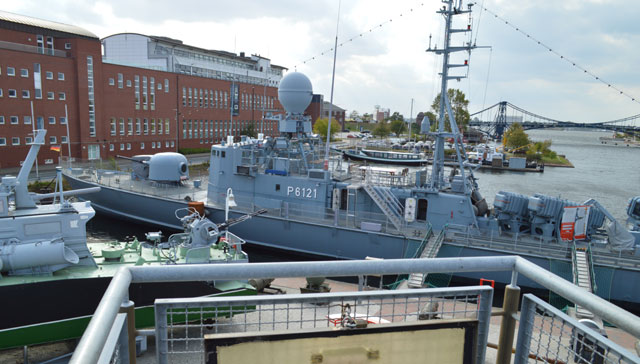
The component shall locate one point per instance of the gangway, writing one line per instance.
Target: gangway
(434, 242)
(582, 275)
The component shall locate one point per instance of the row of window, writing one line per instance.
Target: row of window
(215, 99)
(142, 126)
(26, 94)
(14, 119)
(214, 129)
(121, 82)
(24, 72)
(154, 145)
(29, 140)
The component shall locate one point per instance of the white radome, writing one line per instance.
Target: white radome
(295, 92)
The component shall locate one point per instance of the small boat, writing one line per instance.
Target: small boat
(386, 157)
(52, 279)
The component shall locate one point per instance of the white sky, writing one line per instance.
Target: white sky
(388, 66)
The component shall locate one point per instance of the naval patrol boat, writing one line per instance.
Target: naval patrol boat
(321, 206)
(51, 279)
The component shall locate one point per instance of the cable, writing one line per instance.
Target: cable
(356, 36)
(573, 63)
(486, 84)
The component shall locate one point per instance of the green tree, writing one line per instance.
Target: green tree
(250, 131)
(320, 127)
(396, 116)
(459, 105)
(397, 126)
(515, 138)
(381, 130)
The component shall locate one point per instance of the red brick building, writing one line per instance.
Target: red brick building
(136, 98)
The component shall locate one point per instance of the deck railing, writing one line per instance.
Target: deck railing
(95, 341)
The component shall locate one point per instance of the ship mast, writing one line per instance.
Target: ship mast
(449, 10)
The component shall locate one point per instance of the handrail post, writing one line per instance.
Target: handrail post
(128, 307)
(508, 326)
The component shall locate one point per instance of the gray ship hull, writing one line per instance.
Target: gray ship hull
(617, 284)
(267, 231)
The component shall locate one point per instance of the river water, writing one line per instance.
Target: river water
(610, 174)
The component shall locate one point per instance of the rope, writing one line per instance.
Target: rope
(573, 63)
(370, 30)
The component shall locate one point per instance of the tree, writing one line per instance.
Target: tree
(250, 131)
(320, 127)
(459, 104)
(397, 126)
(381, 130)
(515, 138)
(396, 116)
(354, 115)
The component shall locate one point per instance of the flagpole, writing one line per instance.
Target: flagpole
(33, 128)
(66, 117)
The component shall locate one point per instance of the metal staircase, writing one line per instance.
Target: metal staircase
(582, 276)
(388, 203)
(434, 242)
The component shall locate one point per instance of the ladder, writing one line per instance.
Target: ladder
(387, 202)
(582, 277)
(416, 279)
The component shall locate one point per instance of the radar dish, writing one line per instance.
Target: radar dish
(295, 92)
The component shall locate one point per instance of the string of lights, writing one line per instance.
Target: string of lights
(573, 63)
(362, 34)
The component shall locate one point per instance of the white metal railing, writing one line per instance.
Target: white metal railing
(97, 333)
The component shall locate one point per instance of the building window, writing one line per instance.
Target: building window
(166, 126)
(120, 80)
(24, 72)
(138, 127)
(11, 71)
(128, 146)
(141, 145)
(159, 86)
(52, 120)
(62, 96)
(159, 126)
(14, 119)
(152, 89)
(111, 147)
(190, 97)
(1, 119)
(67, 46)
(27, 119)
(112, 82)
(28, 140)
(173, 144)
(37, 80)
(50, 45)
(153, 145)
(51, 95)
(145, 128)
(166, 85)
(121, 122)
(113, 126)
(26, 94)
(137, 91)
(0, 92)
(63, 120)
(153, 126)
(121, 146)
(13, 93)
(15, 141)
(39, 122)
(128, 83)
(63, 139)
(90, 90)
(130, 126)
(49, 75)
(53, 140)
(61, 74)
(3, 142)
(184, 96)
(145, 101)
(40, 43)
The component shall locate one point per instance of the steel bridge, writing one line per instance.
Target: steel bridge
(495, 119)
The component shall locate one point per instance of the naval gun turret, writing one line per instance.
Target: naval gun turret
(167, 167)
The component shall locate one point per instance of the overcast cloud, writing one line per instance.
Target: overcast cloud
(388, 66)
